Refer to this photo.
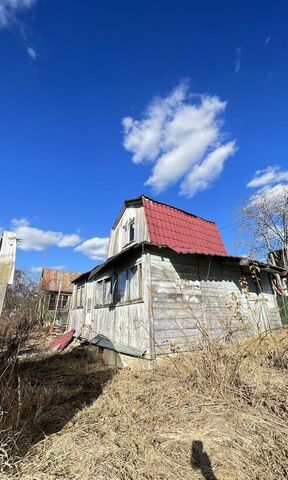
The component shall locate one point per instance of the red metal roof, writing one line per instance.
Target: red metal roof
(181, 231)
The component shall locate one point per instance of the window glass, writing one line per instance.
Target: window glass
(121, 286)
(64, 301)
(132, 231)
(107, 291)
(133, 284)
(81, 296)
(52, 301)
(99, 293)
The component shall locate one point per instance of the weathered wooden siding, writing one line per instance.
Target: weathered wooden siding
(127, 323)
(117, 241)
(184, 297)
(76, 320)
(192, 295)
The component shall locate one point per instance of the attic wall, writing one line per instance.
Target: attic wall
(192, 296)
(117, 239)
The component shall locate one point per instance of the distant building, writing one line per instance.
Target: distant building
(8, 243)
(55, 290)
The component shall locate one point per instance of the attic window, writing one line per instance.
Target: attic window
(128, 232)
(132, 231)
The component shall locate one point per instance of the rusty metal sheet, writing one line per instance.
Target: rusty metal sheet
(52, 280)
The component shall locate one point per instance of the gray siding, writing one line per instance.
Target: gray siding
(117, 240)
(184, 299)
(127, 323)
(192, 296)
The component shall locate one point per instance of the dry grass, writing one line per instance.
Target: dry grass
(217, 414)
(40, 395)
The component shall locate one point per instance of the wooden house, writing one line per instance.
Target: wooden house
(168, 282)
(55, 290)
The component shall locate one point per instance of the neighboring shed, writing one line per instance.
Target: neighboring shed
(168, 282)
(55, 289)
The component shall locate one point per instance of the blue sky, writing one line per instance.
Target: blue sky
(97, 97)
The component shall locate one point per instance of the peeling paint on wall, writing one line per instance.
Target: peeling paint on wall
(7, 262)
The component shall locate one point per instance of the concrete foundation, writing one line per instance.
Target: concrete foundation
(114, 359)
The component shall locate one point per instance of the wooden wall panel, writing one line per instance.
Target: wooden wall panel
(194, 294)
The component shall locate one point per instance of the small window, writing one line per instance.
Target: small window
(52, 301)
(132, 231)
(128, 233)
(64, 301)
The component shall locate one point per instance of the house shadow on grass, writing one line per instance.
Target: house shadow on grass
(55, 388)
(200, 461)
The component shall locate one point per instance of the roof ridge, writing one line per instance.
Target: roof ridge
(175, 208)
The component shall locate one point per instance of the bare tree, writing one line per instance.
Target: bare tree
(19, 316)
(264, 218)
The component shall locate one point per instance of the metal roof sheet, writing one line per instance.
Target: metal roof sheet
(55, 280)
(181, 231)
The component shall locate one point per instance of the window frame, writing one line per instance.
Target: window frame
(127, 232)
(131, 224)
(113, 298)
(101, 283)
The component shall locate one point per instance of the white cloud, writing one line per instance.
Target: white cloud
(32, 53)
(69, 240)
(32, 238)
(238, 59)
(95, 248)
(179, 134)
(268, 176)
(271, 189)
(202, 175)
(10, 8)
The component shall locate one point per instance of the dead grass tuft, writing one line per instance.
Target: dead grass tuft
(220, 415)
